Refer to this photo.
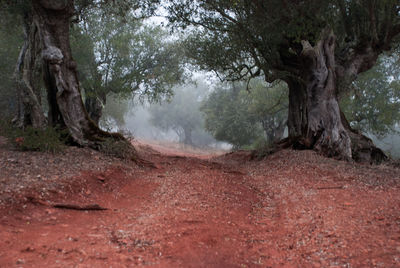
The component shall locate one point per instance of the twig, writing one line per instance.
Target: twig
(37, 201)
(78, 207)
(330, 187)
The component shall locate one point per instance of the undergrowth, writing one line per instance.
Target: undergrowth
(261, 148)
(122, 149)
(54, 140)
(49, 139)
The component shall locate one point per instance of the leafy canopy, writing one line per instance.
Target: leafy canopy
(373, 105)
(242, 39)
(121, 54)
(240, 117)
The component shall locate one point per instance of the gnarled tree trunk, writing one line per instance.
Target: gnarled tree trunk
(27, 78)
(315, 120)
(52, 18)
(325, 131)
(297, 113)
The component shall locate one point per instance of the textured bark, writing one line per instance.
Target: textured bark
(53, 21)
(54, 115)
(297, 114)
(315, 120)
(325, 131)
(27, 78)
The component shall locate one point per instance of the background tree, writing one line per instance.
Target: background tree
(317, 47)
(373, 104)
(181, 114)
(115, 112)
(242, 117)
(269, 106)
(227, 117)
(123, 56)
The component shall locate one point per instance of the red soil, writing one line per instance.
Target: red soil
(292, 209)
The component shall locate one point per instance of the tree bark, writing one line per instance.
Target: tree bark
(53, 20)
(315, 120)
(54, 115)
(297, 113)
(325, 131)
(94, 105)
(26, 75)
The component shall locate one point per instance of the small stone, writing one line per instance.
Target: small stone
(28, 249)
(49, 211)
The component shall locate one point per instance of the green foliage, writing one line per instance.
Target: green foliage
(227, 117)
(11, 39)
(118, 148)
(245, 39)
(269, 106)
(249, 38)
(373, 105)
(258, 144)
(114, 112)
(246, 119)
(124, 56)
(31, 139)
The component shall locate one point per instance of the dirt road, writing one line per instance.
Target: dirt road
(292, 209)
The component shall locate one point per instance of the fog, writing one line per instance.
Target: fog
(138, 119)
(177, 119)
(137, 122)
(390, 143)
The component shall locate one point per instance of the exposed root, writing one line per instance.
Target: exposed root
(362, 148)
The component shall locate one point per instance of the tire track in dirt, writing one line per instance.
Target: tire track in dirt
(202, 208)
(187, 213)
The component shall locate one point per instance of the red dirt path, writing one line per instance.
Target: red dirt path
(292, 209)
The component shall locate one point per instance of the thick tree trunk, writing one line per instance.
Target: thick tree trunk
(54, 115)
(297, 114)
(325, 131)
(27, 77)
(53, 20)
(315, 120)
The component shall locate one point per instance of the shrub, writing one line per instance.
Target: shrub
(119, 148)
(32, 139)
